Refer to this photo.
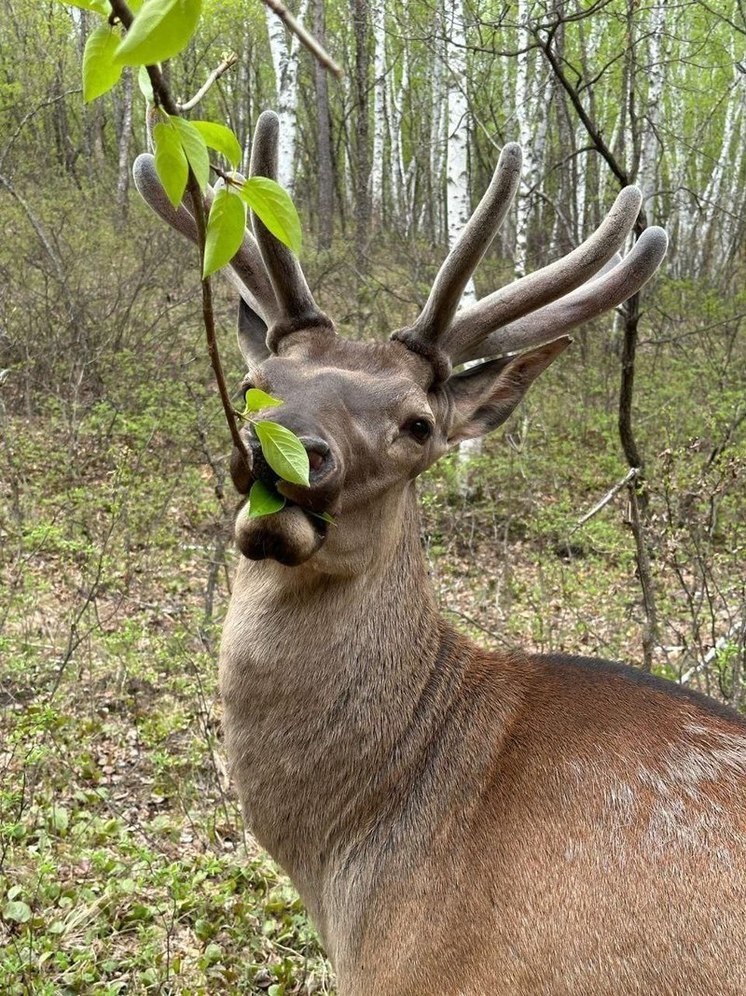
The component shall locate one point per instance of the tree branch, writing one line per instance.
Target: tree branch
(304, 37)
(645, 575)
(545, 44)
(631, 473)
(164, 99)
(225, 65)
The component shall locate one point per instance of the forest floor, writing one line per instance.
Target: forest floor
(124, 865)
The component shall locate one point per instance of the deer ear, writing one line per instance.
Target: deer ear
(252, 335)
(484, 396)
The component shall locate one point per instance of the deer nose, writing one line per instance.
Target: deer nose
(321, 461)
(318, 455)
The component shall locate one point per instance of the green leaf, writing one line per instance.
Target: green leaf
(271, 204)
(263, 501)
(97, 6)
(256, 400)
(17, 911)
(325, 517)
(226, 226)
(284, 452)
(100, 72)
(220, 138)
(195, 149)
(170, 161)
(146, 87)
(159, 31)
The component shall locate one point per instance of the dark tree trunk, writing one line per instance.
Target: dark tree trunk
(362, 152)
(325, 161)
(638, 519)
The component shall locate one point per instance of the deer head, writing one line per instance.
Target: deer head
(374, 415)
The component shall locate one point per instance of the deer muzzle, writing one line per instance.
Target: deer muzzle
(294, 533)
(325, 477)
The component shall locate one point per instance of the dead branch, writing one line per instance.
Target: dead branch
(645, 575)
(225, 65)
(629, 476)
(304, 37)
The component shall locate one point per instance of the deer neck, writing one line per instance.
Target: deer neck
(324, 679)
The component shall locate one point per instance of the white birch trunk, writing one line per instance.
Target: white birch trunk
(458, 206)
(714, 234)
(649, 151)
(731, 238)
(524, 116)
(285, 58)
(378, 19)
(438, 122)
(582, 193)
(680, 222)
(124, 143)
(605, 172)
(400, 173)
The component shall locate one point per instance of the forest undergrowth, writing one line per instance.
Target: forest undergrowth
(124, 865)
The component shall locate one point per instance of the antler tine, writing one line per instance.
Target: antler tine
(475, 323)
(297, 307)
(464, 257)
(595, 297)
(248, 271)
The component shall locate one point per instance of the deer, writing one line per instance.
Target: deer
(457, 822)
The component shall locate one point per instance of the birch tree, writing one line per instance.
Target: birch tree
(125, 135)
(323, 123)
(647, 173)
(458, 206)
(714, 234)
(378, 24)
(525, 101)
(285, 59)
(360, 13)
(438, 120)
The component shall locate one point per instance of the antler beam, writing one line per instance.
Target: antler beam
(297, 306)
(470, 247)
(588, 301)
(472, 326)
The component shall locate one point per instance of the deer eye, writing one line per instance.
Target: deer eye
(419, 429)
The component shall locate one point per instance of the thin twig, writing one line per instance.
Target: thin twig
(163, 98)
(645, 575)
(225, 65)
(304, 37)
(630, 475)
(30, 114)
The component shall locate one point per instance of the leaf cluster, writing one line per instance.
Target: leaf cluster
(282, 450)
(160, 30)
